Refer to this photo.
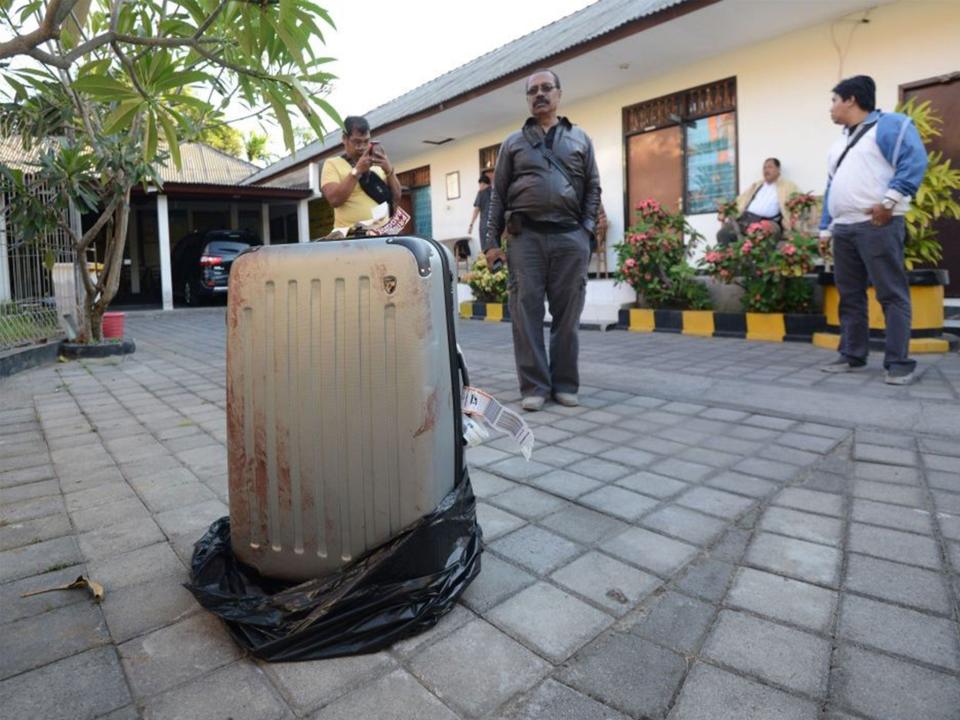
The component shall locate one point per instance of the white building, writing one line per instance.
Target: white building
(683, 98)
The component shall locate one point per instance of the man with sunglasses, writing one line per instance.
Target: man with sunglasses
(546, 192)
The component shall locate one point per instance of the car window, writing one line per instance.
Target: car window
(225, 248)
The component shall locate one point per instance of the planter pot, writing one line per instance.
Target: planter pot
(113, 324)
(926, 300)
(74, 351)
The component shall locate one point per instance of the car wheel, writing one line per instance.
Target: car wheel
(188, 297)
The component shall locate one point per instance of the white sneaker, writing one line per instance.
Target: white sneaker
(532, 403)
(898, 376)
(567, 399)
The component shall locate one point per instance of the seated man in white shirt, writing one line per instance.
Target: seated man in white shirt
(765, 199)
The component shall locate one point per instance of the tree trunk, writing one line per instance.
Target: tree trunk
(98, 295)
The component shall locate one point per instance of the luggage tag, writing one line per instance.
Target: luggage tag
(478, 404)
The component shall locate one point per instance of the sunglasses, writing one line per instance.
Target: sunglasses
(545, 88)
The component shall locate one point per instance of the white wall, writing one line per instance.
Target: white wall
(783, 98)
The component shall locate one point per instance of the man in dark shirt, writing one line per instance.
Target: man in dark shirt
(481, 206)
(546, 190)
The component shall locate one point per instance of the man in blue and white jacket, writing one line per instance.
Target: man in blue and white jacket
(874, 168)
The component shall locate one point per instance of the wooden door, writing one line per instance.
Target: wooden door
(654, 169)
(944, 96)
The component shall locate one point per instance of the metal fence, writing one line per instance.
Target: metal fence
(28, 303)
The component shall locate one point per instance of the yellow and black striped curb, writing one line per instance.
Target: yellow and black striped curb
(926, 311)
(772, 327)
(491, 312)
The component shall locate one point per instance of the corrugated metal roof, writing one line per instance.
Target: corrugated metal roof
(201, 164)
(596, 20)
(13, 155)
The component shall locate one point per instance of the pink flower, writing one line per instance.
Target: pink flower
(630, 263)
(747, 247)
(789, 249)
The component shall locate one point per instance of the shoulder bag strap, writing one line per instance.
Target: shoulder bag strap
(864, 129)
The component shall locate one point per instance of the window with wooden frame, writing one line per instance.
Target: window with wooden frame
(681, 149)
(488, 157)
(418, 177)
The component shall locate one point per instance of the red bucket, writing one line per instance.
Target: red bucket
(113, 324)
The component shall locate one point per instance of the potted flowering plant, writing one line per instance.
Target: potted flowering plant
(653, 260)
(770, 269)
(487, 286)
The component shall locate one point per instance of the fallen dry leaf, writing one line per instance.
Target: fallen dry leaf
(81, 583)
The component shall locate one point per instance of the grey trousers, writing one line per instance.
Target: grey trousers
(552, 266)
(863, 252)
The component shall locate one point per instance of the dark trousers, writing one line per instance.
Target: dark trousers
(862, 253)
(551, 266)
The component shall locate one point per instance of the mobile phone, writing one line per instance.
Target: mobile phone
(497, 265)
(374, 148)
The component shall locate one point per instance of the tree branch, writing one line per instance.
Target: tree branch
(91, 234)
(49, 29)
(205, 25)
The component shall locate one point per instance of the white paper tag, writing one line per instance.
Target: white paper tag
(478, 404)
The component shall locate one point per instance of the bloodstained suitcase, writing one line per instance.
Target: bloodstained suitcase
(343, 398)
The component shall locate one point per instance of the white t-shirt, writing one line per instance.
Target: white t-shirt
(765, 203)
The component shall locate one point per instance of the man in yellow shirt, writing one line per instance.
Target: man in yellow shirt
(361, 179)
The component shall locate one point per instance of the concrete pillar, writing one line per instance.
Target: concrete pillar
(303, 221)
(265, 223)
(5, 289)
(163, 237)
(314, 177)
(234, 216)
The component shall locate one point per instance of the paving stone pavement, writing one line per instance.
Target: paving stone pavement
(718, 531)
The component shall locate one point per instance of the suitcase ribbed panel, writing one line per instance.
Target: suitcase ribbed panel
(339, 404)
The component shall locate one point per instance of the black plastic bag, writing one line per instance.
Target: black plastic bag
(397, 590)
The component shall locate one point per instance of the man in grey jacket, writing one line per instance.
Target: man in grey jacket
(546, 191)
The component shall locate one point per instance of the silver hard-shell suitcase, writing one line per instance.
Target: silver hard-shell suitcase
(343, 398)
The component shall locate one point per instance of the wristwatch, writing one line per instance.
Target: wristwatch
(889, 203)
(353, 171)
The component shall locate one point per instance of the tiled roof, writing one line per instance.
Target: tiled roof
(596, 20)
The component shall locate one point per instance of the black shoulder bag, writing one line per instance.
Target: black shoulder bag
(374, 186)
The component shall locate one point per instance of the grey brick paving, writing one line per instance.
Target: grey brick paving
(884, 687)
(499, 667)
(62, 690)
(782, 554)
(675, 621)
(783, 599)
(714, 694)
(796, 558)
(606, 581)
(898, 630)
(627, 673)
(685, 524)
(559, 702)
(790, 658)
(550, 621)
(239, 691)
(536, 549)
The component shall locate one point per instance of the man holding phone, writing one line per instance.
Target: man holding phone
(361, 179)
(546, 192)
